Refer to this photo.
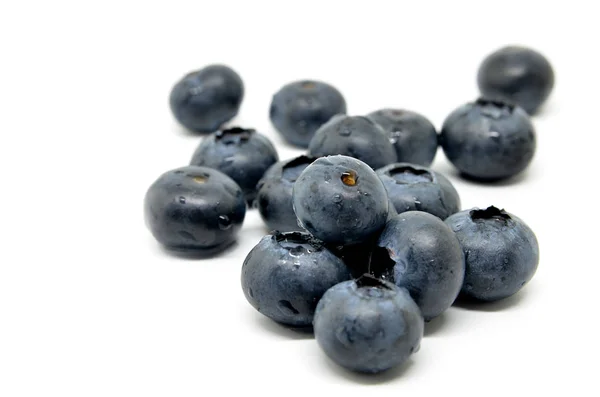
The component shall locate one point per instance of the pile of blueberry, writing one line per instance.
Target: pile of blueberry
(367, 242)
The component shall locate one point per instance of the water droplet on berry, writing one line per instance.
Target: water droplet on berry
(337, 198)
(394, 135)
(345, 132)
(182, 199)
(224, 222)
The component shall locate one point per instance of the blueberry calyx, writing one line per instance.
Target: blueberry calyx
(369, 281)
(349, 178)
(244, 134)
(297, 238)
(490, 213)
(482, 101)
(419, 175)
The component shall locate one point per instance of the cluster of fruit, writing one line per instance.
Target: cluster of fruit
(367, 242)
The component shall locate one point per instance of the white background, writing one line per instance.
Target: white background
(91, 306)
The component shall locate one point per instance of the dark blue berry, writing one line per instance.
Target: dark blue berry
(353, 136)
(518, 75)
(415, 188)
(368, 325)
(413, 136)
(194, 209)
(204, 100)
(340, 200)
(298, 109)
(427, 260)
(488, 140)
(286, 274)
(501, 251)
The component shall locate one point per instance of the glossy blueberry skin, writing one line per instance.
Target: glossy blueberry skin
(415, 188)
(501, 251)
(299, 108)
(414, 137)
(368, 327)
(488, 140)
(204, 100)
(428, 260)
(353, 136)
(242, 154)
(274, 198)
(334, 211)
(517, 75)
(194, 209)
(286, 274)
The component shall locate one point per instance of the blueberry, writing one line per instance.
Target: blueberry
(518, 75)
(340, 200)
(427, 260)
(286, 274)
(488, 140)
(298, 109)
(368, 325)
(243, 154)
(353, 136)
(415, 188)
(205, 99)
(274, 198)
(194, 209)
(501, 252)
(413, 136)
